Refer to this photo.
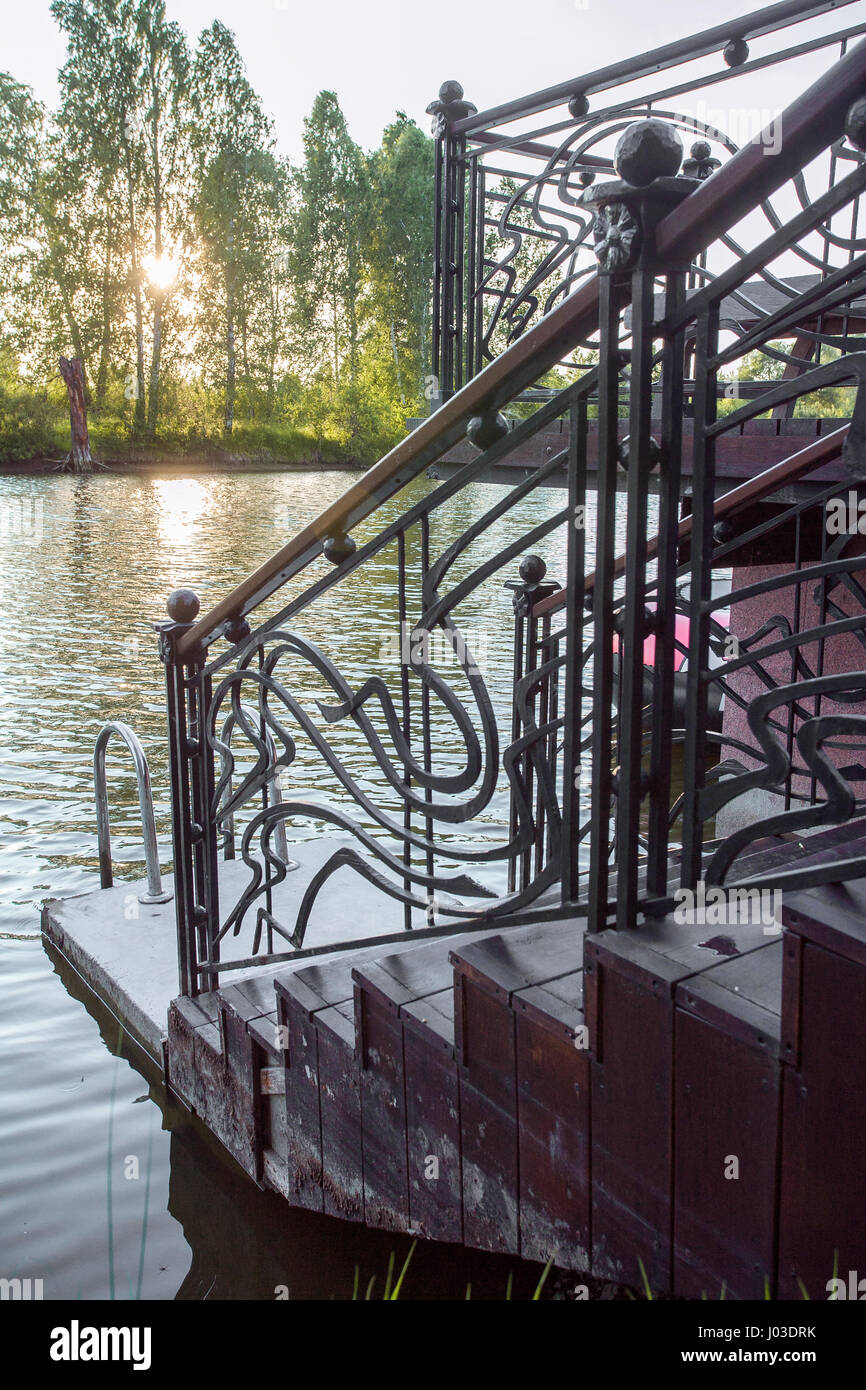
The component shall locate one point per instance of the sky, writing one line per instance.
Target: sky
(386, 55)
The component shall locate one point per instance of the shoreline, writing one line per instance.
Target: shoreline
(184, 463)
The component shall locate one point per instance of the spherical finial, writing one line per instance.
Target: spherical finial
(578, 105)
(183, 606)
(532, 569)
(855, 123)
(735, 53)
(700, 151)
(484, 430)
(338, 548)
(450, 91)
(585, 178)
(648, 150)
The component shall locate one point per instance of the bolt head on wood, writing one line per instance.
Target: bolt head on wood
(183, 606)
(648, 150)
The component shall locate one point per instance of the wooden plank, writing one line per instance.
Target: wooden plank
(486, 975)
(242, 1104)
(727, 1091)
(433, 1118)
(303, 1120)
(553, 1121)
(184, 1018)
(383, 1110)
(822, 1218)
(340, 1108)
(485, 1042)
(382, 988)
(630, 982)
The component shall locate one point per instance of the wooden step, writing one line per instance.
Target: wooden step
(727, 1109)
(382, 988)
(631, 980)
(195, 1062)
(822, 1218)
(553, 1121)
(324, 1148)
(487, 975)
(432, 1089)
(324, 1163)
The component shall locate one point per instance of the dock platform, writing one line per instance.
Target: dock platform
(604, 1102)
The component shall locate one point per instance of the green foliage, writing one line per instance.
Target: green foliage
(213, 294)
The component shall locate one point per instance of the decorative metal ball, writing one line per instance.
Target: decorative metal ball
(648, 150)
(484, 430)
(855, 123)
(585, 178)
(735, 53)
(578, 105)
(700, 151)
(532, 569)
(236, 630)
(450, 91)
(338, 548)
(183, 606)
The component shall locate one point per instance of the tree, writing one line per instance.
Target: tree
(239, 210)
(401, 250)
(128, 147)
(330, 233)
(79, 458)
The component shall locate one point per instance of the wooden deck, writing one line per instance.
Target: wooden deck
(682, 1098)
(678, 1097)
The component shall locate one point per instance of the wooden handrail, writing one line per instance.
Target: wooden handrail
(806, 128)
(824, 450)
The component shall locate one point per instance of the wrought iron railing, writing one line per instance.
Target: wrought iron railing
(513, 234)
(545, 788)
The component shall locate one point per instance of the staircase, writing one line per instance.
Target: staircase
(564, 1068)
(541, 1094)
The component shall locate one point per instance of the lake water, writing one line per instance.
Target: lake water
(105, 1190)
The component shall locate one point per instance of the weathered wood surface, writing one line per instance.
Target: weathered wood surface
(681, 1098)
(822, 1217)
(727, 1112)
(631, 979)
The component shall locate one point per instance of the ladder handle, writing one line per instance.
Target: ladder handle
(155, 892)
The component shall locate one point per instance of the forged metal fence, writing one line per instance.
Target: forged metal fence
(513, 233)
(769, 701)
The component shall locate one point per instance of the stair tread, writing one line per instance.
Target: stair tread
(434, 1014)
(558, 1004)
(340, 1020)
(404, 975)
(819, 848)
(746, 990)
(325, 983)
(524, 956)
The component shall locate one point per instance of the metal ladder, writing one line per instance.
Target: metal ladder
(155, 892)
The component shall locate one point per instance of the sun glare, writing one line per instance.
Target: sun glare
(161, 271)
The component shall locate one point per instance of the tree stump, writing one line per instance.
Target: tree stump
(79, 458)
